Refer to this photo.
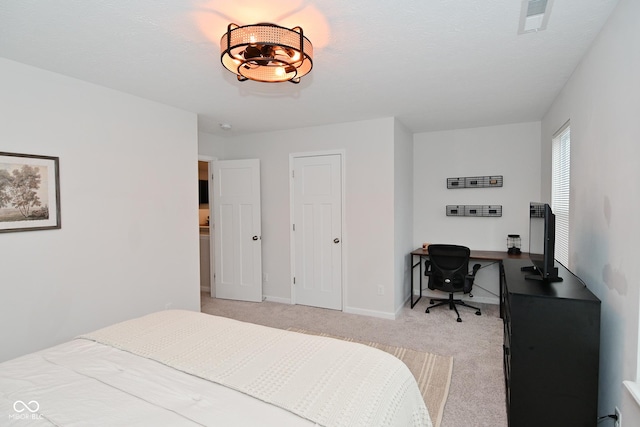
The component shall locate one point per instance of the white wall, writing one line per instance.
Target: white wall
(389, 211)
(211, 145)
(512, 151)
(602, 100)
(368, 240)
(403, 213)
(129, 239)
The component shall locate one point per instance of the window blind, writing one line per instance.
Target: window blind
(560, 185)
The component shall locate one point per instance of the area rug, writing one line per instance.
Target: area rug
(432, 372)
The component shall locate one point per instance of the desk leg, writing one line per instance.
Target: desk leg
(501, 280)
(413, 266)
(420, 273)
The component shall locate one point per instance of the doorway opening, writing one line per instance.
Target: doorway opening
(206, 266)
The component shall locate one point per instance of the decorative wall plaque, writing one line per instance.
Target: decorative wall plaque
(474, 210)
(475, 182)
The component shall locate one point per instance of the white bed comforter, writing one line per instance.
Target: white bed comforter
(83, 383)
(323, 380)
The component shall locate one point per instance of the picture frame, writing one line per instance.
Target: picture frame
(29, 192)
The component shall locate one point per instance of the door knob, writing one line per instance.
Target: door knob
(254, 238)
(336, 240)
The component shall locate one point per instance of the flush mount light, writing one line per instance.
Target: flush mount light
(266, 53)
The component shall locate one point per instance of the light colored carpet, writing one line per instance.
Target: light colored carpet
(476, 394)
(432, 372)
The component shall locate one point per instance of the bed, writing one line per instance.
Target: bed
(183, 368)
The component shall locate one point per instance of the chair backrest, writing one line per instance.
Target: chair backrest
(449, 266)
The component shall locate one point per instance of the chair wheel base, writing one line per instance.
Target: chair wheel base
(453, 304)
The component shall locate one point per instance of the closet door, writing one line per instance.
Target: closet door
(317, 230)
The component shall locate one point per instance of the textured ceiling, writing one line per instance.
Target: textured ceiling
(433, 64)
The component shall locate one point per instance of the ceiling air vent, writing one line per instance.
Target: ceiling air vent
(534, 15)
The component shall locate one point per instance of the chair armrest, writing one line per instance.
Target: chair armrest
(469, 279)
(427, 267)
(476, 267)
(472, 274)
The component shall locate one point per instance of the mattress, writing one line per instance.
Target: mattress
(179, 368)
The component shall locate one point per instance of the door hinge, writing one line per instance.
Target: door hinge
(294, 280)
(293, 174)
(294, 227)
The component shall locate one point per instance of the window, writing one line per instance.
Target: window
(560, 184)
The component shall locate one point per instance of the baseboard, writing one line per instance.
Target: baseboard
(352, 310)
(204, 289)
(399, 309)
(483, 300)
(372, 313)
(276, 299)
(476, 298)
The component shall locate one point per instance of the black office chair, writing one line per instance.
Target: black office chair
(448, 271)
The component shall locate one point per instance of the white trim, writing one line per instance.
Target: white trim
(428, 293)
(292, 157)
(292, 255)
(634, 390)
(277, 299)
(371, 313)
(561, 130)
(402, 306)
(210, 160)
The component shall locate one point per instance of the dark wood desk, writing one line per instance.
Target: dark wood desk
(496, 256)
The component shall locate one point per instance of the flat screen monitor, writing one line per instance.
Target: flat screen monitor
(542, 237)
(203, 191)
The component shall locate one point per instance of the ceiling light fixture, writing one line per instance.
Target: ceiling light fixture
(266, 53)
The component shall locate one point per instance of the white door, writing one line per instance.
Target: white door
(236, 220)
(317, 231)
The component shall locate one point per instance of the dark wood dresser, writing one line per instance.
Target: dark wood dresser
(551, 349)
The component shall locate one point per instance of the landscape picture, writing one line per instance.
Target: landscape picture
(29, 192)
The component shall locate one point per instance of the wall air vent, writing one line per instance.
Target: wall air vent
(534, 15)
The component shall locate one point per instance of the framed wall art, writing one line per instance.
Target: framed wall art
(29, 192)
